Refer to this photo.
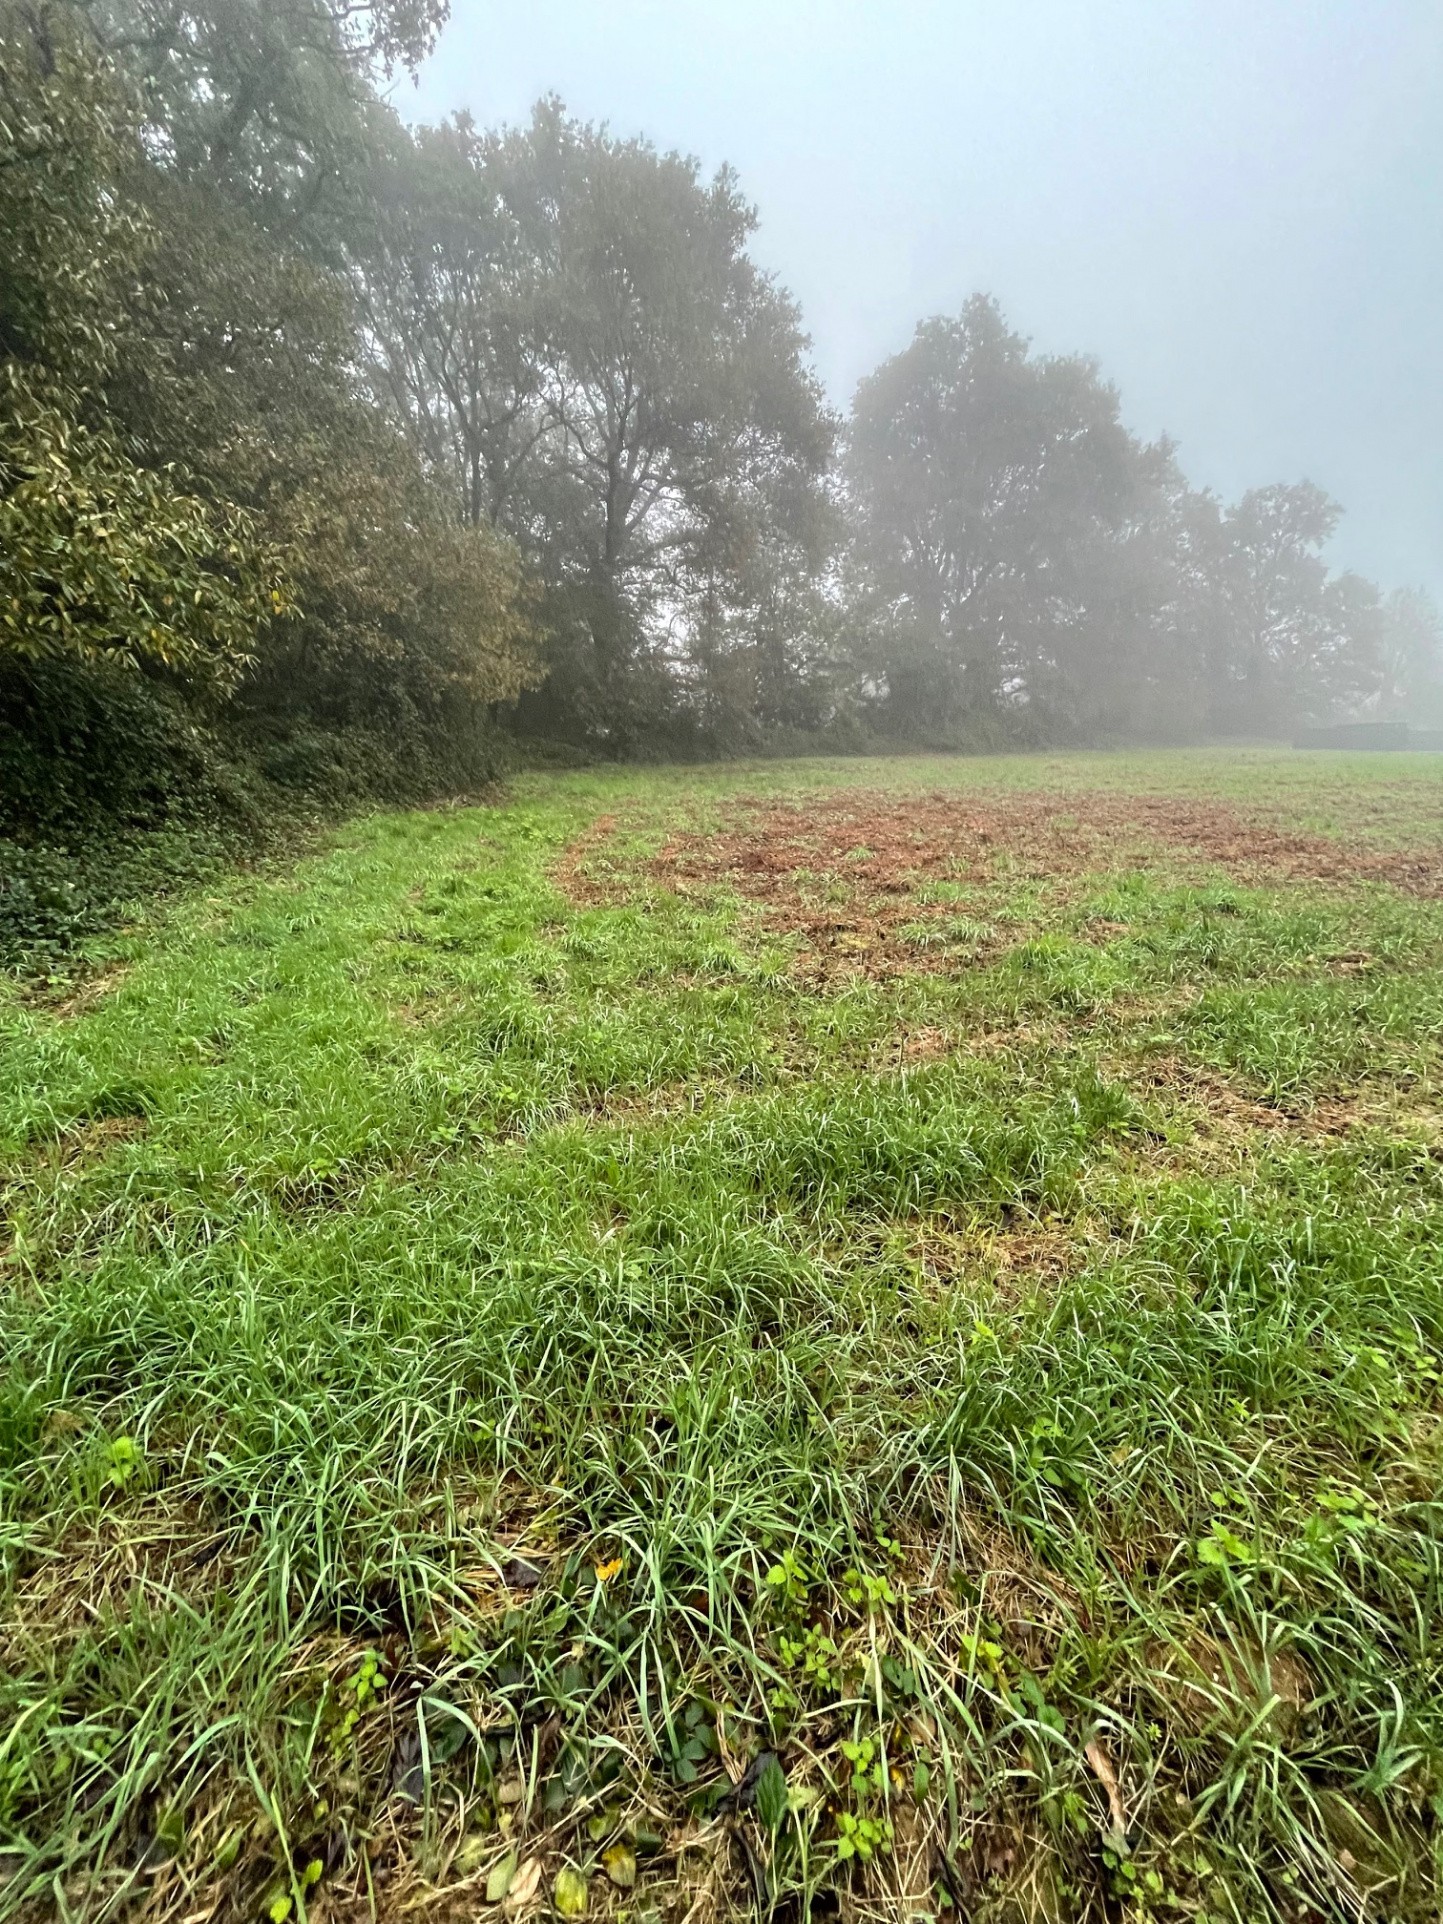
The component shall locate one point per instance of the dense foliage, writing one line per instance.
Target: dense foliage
(329, 447)
(213, 543)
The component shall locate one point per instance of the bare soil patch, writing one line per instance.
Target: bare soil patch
(580, 875)
(148, 1553)
(1227, 1126)
(80, 1145)
(1209, 1094)
(847, 874)
(1014, 1259)
(90, 990)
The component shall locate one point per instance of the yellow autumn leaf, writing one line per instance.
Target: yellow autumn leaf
(570, 1894)
(619, 1863)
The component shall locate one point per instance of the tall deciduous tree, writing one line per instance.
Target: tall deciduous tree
(450, 283)
(1002, 520)
(577, 333)
(1281, 636)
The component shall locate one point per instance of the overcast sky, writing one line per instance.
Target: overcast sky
(1236, 205)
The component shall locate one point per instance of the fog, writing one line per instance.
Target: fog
(1235, 207)
(1072, 383)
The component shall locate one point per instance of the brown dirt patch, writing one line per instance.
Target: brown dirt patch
(1202, 1681)
(434, 1006)
(1014, 1259)
(89, 991)
(1225, 1106)
(926, 1044)
(581, 875)
(103, 1569)
(846, 874)
(96, 1136)
(83, 1143)
(1224, 1126)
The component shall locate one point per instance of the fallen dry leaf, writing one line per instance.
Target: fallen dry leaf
(619, 1863)
(524, 1886)
(1102, 1764)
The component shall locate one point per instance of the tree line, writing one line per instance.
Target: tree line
(331, 446)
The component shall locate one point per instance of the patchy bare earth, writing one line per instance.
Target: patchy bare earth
(849, 877)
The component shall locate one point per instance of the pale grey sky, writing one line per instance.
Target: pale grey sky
(1236, 205)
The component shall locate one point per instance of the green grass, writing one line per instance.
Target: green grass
(1006, 1389)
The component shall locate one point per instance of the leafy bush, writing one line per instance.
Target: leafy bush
(42, 904)
(97, 749)
(101, 558)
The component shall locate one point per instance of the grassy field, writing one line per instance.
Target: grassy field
(853, 1338)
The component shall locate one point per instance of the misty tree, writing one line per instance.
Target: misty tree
(450, 281)
(269, 102)
(1410, 659)
(1005, 527)
(1279, 636)
(1021, 565)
